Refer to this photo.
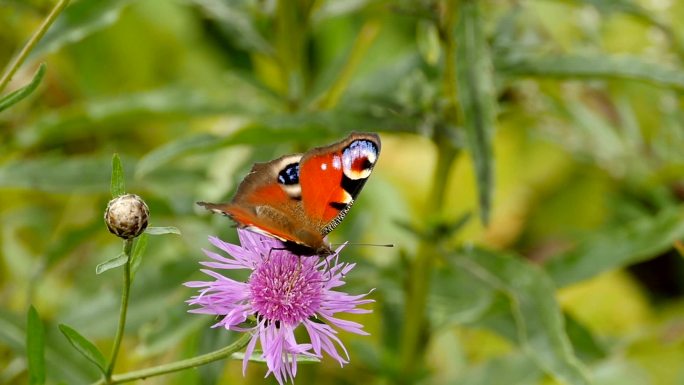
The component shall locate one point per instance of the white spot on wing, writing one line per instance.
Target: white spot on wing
(324, 166)
(356, 175)
(337, 162)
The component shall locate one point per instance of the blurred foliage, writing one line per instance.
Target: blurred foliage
(558, 124)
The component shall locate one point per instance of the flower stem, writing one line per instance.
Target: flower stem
(23, 54)
(180, 365)
(128, 246)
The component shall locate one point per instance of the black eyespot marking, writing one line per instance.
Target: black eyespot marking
(289, 175)
(338, 205)
(352, 186)
(366, 164)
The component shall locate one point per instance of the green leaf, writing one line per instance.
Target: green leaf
(336, 9)
(116, 113)
(61, 359)
(169, 151)
(539, 326)
(162, 230)
(58, 174)
(257, 357)
(69, 239)
(78, 21)
(118, 182)
(456, 297)
(625, 6)
(477, 101)
(596, 66)
(438, 230)
(613, 248)
(85, 347)
(35, 347)
(255, 135)
(113, 263)
(235, 24)
(587, 347)
(509, 370)
(16, 96)
(137, 253)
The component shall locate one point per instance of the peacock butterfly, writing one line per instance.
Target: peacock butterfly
(300, 198)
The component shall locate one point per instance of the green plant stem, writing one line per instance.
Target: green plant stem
(128, 246)
(180, 365)
(362, 44)
(292, 28)
(23, 54)
(446, 34)
(414, 330)
(421, 268)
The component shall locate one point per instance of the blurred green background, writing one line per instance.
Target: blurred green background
(558, 122)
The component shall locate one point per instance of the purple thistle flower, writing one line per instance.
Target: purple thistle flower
(283, 292)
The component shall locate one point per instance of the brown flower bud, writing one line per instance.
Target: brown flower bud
(126, 216)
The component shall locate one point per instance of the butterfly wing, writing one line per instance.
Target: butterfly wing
(268, 200)
(301, 198)
(331, 178)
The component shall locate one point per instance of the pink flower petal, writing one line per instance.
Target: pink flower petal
(284, 291)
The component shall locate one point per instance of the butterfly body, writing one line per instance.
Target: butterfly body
(300, 198)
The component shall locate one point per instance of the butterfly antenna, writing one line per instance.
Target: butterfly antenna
(364, 244)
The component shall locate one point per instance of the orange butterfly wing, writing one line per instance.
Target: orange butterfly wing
(301, 198)
(331, 178)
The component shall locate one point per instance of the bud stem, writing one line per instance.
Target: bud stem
(128, 246)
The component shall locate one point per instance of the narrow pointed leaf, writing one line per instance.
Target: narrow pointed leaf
(118, 184)
(595, 66)
(83, 346)
(16, 96)
(111, 264)
(475, 85)
(35, 348)
(162, 230)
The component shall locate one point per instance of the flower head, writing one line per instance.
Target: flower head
(284, 291)
(126, 216)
